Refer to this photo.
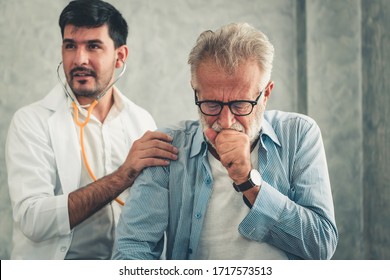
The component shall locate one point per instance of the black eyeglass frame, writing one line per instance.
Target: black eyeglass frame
(229, 104)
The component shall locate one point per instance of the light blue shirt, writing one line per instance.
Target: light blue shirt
(293, 210)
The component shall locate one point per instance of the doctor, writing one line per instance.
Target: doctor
(63, 177)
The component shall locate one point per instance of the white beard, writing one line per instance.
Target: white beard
(254, 129)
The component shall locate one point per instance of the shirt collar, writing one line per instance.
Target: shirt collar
(118, 100)
(199, 143)
(267, 129)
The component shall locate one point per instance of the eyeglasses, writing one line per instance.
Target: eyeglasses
(237, 107)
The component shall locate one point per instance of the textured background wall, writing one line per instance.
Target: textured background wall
(334, 100)
(376, 127)
(317, 70)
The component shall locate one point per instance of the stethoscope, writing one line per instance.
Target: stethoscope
(90, 107)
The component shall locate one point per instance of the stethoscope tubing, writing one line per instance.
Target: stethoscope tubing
(81, 125)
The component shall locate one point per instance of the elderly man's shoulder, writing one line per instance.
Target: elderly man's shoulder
(289, 123)
(183, 126)
(281, 117)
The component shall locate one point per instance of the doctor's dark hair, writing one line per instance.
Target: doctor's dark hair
(95, 13)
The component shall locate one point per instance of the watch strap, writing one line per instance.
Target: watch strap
(244, 186)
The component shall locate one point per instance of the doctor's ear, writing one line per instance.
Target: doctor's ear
(119, 63)
(122, 53)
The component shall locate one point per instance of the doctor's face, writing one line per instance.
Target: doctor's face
(89, 59)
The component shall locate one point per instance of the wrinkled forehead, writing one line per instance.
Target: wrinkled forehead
(246, 75)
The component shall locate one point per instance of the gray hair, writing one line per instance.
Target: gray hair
(230, 45)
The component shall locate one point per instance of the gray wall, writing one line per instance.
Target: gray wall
(376, 127)
(331, 62)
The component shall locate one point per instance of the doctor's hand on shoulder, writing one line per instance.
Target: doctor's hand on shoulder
(152, 149)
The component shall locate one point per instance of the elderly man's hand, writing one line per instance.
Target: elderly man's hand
(233, 148)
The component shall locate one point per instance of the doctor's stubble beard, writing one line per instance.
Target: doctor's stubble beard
(89, 93)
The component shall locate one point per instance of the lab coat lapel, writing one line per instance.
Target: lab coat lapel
(65, 143)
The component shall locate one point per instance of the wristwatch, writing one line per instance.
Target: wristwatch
(253, 180)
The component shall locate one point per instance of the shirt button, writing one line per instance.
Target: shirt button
(63, 249)
(208, 181)
(189, 251)
(198, 215)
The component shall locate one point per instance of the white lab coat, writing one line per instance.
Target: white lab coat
(44, 165)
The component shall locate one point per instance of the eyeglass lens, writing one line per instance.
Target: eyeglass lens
(236, 107)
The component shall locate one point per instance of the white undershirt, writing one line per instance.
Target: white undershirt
(220, 238)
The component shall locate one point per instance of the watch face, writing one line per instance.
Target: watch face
(256, 177)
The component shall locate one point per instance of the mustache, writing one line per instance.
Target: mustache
(235, 126)
(85, 71)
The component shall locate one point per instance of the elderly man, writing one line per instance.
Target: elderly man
(248, 183)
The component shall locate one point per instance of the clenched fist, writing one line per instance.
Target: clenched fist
(233, 148)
